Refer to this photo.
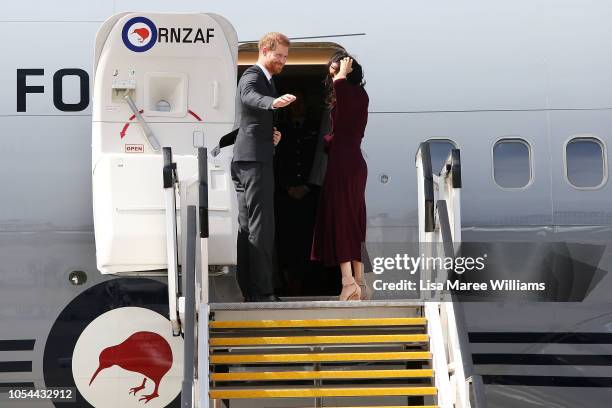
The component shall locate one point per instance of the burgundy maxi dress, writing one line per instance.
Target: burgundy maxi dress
(341, 217)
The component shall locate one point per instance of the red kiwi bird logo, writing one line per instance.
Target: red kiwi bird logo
(144, 352)
(142, 33)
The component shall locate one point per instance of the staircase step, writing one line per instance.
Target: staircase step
(319, 392)
(269, 324)
(321, 375)
(316, 303)
(317, 357)
(354, 339)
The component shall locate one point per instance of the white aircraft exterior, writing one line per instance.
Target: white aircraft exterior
(480, 76)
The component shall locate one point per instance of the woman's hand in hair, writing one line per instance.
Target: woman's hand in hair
(346, 67)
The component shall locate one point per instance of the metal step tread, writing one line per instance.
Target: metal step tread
(348, 339)
(317, 357)
(319, 392)
(316, 304)
(267, 324)
(320, 375)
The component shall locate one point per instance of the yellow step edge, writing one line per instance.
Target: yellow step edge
(351, 339)
(392, 406)
(395, 406)
(264, 324)
(320, 392)
(317, 357)
(319, 375)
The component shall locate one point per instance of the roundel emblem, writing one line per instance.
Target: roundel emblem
(128, 353)
(114, 345)
(139, 34)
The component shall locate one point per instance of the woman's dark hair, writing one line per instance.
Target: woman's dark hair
(355, 77)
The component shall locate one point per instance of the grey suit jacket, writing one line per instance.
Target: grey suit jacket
(255, 114)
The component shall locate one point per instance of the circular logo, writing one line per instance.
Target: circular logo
(139, 34)
(97, 328)
(129, 355)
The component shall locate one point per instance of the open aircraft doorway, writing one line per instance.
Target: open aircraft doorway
(299, 165)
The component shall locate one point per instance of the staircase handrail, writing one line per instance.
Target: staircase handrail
(440, 225)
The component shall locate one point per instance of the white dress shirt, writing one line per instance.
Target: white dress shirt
(265, 71)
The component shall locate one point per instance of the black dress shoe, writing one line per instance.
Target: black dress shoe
(263, 298)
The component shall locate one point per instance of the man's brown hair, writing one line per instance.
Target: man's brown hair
(271, 40)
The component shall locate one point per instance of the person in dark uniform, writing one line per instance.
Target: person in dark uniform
(252, 168)
(295, 197)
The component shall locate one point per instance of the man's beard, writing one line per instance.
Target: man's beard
(275, 69)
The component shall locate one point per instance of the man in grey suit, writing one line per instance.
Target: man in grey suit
(252, 168)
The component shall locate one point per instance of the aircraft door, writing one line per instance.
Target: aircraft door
(179, 73)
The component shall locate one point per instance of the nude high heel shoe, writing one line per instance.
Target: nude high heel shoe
(366, 293)
(350, 290)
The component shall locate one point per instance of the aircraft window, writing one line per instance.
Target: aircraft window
(163, 106)
(512, 163)
(585, 165)
(439, 149)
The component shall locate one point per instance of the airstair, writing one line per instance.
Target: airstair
(359, 354)
(320, 353)
(306, 353)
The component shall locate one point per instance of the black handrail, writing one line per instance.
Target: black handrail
(452, 168)
(445, 230)
(456, 168)
(203, 191)
(428, 187)
(169, 171)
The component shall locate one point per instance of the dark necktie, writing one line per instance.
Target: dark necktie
(274, 95)
(273, 87)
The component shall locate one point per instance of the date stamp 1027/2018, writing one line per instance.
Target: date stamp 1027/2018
(64, 394)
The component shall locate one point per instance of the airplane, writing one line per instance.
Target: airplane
(521, 88)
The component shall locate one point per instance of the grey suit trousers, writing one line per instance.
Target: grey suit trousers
(254, 184)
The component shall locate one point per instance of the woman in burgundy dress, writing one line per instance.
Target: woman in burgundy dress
(340, 228)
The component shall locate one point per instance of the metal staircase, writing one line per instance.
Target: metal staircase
(330, 353)
(322, 354)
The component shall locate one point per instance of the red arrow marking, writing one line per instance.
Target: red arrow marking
(127, 124)
(192, 113)
(124, 129)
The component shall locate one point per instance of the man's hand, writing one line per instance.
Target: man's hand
(276, 136)
(283, 101)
